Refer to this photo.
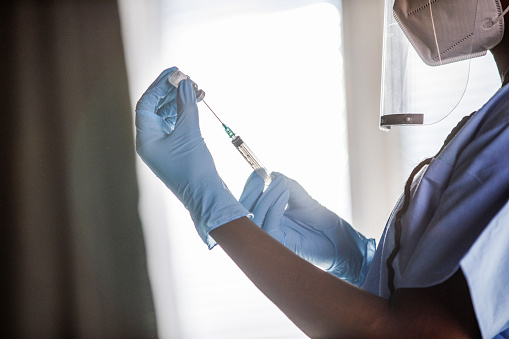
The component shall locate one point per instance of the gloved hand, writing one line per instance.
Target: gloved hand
(169, 141)
(287, 212)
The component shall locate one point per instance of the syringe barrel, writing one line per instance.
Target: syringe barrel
(177, 76)
(255, 163)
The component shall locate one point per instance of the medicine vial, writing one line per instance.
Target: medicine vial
(177, 76)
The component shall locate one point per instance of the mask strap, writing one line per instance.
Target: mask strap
(501, 15)
(435, 32)
(505, 78)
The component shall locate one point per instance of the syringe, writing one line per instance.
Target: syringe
(246, 152)
(237, 141)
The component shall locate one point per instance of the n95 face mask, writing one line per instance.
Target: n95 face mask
(445, 31)
(422, 34)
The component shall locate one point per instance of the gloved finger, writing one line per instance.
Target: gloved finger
(150, 127)
(154, 96)
(276, 212)
(169, 113)
(187, 110)
(253, 189)
(269, 198)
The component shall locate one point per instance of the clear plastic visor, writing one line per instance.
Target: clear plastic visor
(415, 92)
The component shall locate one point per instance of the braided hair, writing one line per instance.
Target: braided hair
(406, 202)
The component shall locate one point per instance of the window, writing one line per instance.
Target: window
(273, 72)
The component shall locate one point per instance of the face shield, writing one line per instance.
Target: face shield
(428, 45)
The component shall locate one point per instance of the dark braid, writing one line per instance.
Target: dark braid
(406, 203)
(397, 222)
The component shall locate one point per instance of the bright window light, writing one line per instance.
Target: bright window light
(276, 78)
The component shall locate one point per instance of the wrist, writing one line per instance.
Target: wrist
(213, 207)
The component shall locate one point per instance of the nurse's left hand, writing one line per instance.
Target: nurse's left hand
(291, 216)
(169, 141)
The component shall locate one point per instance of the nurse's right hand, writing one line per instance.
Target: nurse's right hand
(291, 216)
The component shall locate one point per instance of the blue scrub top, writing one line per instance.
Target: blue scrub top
(459, 217)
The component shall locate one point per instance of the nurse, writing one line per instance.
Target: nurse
(441, 266)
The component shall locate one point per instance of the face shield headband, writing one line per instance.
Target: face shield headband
(422, 34)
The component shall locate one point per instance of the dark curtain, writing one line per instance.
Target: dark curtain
(73, 262)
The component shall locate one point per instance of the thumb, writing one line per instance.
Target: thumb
(276, 212)
(187, 110)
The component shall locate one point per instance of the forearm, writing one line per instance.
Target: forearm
(324, 306)
(320, 304)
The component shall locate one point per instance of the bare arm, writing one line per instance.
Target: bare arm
(323, 306)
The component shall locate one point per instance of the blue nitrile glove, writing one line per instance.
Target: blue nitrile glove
(289, 214)
(169, 141)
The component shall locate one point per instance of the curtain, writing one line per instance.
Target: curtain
(73, 261)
